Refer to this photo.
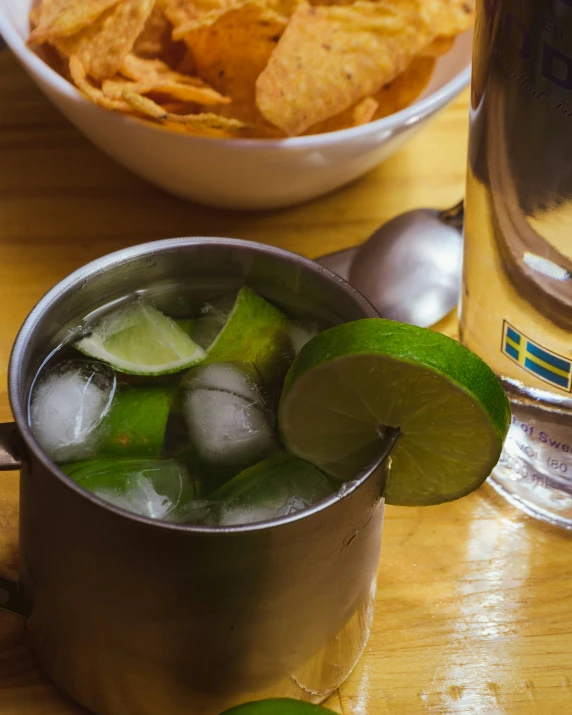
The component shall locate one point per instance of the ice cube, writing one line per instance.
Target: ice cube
(68, 403)
(226, 429)
(228, 422)
(158, 489)
(302, 331)
(279, 486)
(197, 511)
(237, 378)
(212, 321)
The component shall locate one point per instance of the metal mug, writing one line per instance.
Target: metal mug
(131, 616)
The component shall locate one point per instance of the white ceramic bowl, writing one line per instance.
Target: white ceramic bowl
(239, 173)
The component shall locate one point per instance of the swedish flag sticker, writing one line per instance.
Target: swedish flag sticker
(542, 363)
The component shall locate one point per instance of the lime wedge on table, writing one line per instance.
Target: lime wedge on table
(350, 382)
(244, 327)
(278, 706)
(140, 340)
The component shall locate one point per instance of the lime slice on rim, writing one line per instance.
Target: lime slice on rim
(351, 382)
(246, 328)
(278, 706)
(140, 340)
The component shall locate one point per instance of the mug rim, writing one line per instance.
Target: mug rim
(109, 260)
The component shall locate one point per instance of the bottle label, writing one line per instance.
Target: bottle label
(538, 450)
(536, 359)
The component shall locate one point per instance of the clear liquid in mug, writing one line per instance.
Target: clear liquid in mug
(198, 446)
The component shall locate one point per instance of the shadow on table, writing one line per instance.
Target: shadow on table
(24, 688)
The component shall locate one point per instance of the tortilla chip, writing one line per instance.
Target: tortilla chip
(202, 129)
(207, 12)
(331, 57)
(202, 123)
(404, 89)
(103, 45)
(35, 16)
(286, 8)
(185, 14)
(361, 113)
(206, 121)
(439, 46)
(155, 84)
(62, 18)
(272, 68)
(144, 105)
(452, 16)
(140, 68)
(364, 111)
(177, 11)
(134, 67)
(210, 125)
(243, 111)
(249, 32)
(331, 2)
(114, 88)
(79, 75)
(189, 92)
(155, 40)
(213, 121)
(181, 107)
(187, 65)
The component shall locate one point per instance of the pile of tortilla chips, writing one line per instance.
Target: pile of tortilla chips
(250, 68)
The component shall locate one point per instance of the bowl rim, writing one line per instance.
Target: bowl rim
(411, 115)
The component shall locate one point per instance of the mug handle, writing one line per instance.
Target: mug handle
(12, 598)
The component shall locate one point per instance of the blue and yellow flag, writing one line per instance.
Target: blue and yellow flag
(542, 363)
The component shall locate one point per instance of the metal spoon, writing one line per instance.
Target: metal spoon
(410, 268)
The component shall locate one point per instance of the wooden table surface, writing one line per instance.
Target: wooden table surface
(474, 607)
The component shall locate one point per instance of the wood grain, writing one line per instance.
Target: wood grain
(474, 607)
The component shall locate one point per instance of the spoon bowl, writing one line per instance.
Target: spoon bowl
(410, 268)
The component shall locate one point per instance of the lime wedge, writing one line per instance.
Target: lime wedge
(351, 382)
(140, 340)
(136, 424)
(278, 706)
(278, 486)
(158, 489)
(246, 328)
(187, 325)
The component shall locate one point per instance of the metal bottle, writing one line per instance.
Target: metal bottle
(516, 307)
